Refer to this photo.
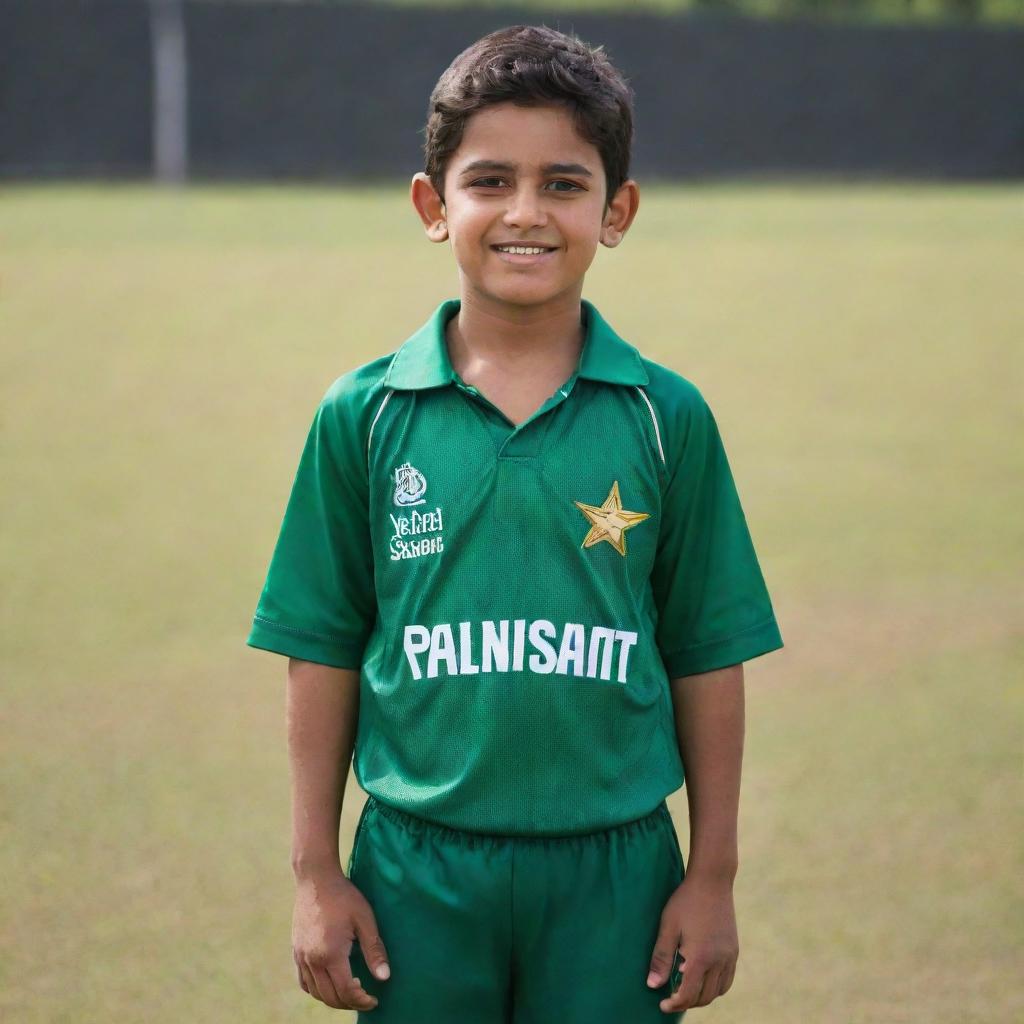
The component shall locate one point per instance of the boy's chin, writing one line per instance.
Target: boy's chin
(528, 294)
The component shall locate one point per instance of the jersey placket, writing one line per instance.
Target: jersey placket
(522, 441)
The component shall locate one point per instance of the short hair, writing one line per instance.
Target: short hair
(533, 66)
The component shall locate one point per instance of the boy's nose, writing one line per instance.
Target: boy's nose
(524, 210)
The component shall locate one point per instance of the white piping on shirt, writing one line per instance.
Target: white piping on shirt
(654, 420)
(369, 436)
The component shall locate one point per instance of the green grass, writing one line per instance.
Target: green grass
(162, 354)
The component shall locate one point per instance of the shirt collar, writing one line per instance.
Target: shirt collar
(422, 362)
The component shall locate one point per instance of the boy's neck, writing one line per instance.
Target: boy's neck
(536, 342)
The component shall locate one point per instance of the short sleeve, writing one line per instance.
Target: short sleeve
(318, 602)
(713, 606)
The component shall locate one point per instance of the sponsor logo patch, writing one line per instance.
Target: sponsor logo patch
(417, 533)
(410, 486)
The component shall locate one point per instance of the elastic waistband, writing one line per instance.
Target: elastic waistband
(648, 823)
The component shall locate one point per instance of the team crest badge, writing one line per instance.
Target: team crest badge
(610, 521)
(410, 486)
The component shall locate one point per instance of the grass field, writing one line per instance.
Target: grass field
(161, 357)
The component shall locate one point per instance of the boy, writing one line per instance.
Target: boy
(512, 546)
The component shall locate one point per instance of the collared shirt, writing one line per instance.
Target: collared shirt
(517, 598)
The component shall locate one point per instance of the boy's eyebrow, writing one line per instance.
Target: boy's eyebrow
(498, 165)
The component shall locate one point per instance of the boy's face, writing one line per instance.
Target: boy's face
(523, 176)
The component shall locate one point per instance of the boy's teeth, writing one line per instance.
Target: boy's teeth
(522, 250)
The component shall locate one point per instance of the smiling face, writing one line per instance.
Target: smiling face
(521, 179)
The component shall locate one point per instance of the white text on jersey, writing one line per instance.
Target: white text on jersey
(471, 648)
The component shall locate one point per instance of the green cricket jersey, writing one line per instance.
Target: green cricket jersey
(517, 598)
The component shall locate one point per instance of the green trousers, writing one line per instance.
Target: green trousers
(486, 929)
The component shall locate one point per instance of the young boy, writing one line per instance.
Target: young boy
(512, 548)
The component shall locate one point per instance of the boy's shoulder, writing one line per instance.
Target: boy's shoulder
(354, 399)
(669, 386)
(366, 386)
(679, 402)
(618, 360)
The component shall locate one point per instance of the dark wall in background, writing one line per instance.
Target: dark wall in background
(74, 88)
(340, 91)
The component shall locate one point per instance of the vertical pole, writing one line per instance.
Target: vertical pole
(170, 91)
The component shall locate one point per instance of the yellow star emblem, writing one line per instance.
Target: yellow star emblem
(611, 521)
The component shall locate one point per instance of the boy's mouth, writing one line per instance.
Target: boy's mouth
(514, 254)
(519, 249)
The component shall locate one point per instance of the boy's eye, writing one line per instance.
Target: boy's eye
(560, 185)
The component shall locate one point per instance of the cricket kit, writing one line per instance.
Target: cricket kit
(516, 599)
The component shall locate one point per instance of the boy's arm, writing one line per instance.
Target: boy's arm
(709, 728)
(331, 914)
(699, 919)
(323, 709)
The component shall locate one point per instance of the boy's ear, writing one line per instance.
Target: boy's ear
(430, 206)
(620, 213)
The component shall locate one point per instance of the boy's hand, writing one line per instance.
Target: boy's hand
(699, 921)
(330, 913)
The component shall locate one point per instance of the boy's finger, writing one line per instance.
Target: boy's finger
(661, 958)
(372, 946)
(325, 987)
(688, 992)
(711, 989)
(309, 983)
(727, 975)
(349, 989)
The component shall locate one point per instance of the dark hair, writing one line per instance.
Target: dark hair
(533, 66)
